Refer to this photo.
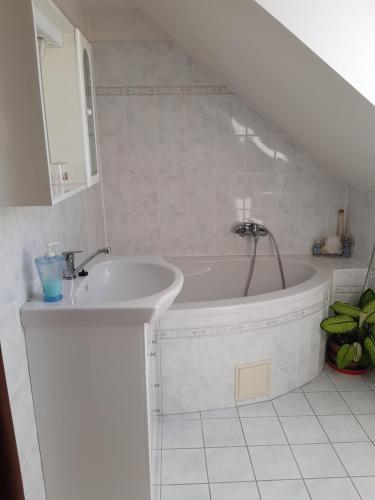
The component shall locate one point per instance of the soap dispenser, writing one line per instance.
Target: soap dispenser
(50, 268)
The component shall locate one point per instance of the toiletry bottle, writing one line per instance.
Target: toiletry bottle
(317, 248)
(50, 268)
(347, 247)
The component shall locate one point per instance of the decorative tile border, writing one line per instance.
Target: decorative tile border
(214, 331)
(348, 288)
(148, 90)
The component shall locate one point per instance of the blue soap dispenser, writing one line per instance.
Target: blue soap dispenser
(50, 268)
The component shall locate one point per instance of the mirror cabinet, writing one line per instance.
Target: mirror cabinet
(48, 144)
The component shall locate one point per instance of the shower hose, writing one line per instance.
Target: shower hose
(252, 264)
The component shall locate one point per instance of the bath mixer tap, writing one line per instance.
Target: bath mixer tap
(251, 229)
(70, 271)
(257, 230)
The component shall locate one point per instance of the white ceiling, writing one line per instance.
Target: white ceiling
(279, 76)
(340, 33)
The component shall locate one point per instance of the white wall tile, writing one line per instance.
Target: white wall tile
(258, 167)
(180, 361)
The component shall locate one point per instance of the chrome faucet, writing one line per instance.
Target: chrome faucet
(251, 229)
(70, 271)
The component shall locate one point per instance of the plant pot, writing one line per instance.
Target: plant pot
(353, 368)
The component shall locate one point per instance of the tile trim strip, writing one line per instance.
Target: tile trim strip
(150, 90)
(214, 331)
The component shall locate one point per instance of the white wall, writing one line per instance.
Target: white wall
(110, 24)
(183, 163)
(75, 11)
(361, 222)
(342, 33)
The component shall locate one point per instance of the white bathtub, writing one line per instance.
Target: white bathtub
(212, 330)
(225, 278)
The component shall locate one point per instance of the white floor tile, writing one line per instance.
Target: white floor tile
(360, 402)
(345, 382)
(228, 465)
(368, 423)
(273, 462)
(263, 431)
(327, 403)
(332, 489)
(283, 490)
(343, 428)
(182, 434)
(182, 416)
(369, 378)
(183, 467)
(265, 409)
(303, 430)
(234, 491)
(318, 460)
(358, 458)
(225, 413)
(292, 404)
(365, 487)
(185, 492)
(319, 384)
(222, 432)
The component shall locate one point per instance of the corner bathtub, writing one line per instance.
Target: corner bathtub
(211, 328)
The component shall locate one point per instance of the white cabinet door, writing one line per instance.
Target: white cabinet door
(88, 107)
(24, 177)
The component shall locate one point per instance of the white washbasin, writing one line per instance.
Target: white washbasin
(122, 280)
(117, 291)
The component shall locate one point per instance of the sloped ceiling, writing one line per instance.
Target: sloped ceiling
(279, 76)
(340, 33)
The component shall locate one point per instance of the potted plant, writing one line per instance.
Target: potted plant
(351, 335)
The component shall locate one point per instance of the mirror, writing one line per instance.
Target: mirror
(90, 113)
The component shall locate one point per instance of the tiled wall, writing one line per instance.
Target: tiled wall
(361, 222)
(77, 223)
(184, 160)
(199, 353)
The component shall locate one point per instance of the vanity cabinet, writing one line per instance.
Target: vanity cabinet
(48, 148)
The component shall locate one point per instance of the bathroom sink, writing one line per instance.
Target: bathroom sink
(123, 280)
(117, 291)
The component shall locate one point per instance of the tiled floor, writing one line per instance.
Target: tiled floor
(314, 443)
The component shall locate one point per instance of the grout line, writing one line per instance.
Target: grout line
(249, 455)
(291, 449)
(314, 414)
(330, 442)
(205, 456)
(268, 480)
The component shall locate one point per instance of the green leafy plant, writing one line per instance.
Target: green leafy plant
(353, 329)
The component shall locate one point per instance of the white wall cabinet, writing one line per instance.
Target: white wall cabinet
(48, 148)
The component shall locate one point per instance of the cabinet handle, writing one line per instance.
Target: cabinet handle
(153, 354)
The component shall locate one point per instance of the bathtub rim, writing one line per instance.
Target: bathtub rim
(324, 268)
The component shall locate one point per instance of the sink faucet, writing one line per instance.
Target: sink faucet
(70, 271)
